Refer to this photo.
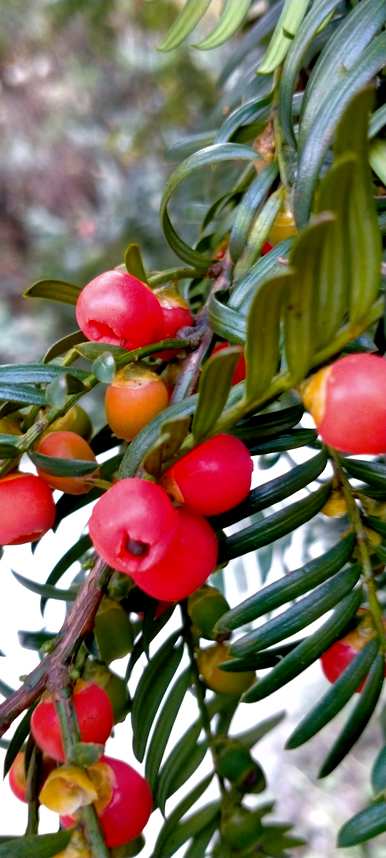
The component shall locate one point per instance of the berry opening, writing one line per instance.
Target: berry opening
(137, 548)
(100, 331)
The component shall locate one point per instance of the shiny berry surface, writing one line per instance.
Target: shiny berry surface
(17, 778)
(213, 477)
(27, 509)
(348, 403)
(66, 445)
(190, 559)
(118, 308)
(132, 525)
(94, 715)
(134, 397)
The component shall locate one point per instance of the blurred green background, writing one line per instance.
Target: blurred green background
(89, 111)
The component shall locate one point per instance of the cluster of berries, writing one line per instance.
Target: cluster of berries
(111, 785)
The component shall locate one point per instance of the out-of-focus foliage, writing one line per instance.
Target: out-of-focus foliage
(89, 107)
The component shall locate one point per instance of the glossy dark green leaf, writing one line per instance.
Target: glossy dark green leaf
(23, 394)
(176, 762)
(274, 491)
(373, 473)
(259, 660)
(17, 741)
(335, 698)
(246, 210)
(146, 439)
(294, 61)
(274, 526)
(63, 467)
(251, 737)
(231, 19)
(289, 21)
(251, 112)
(301, 323)
(378, 774)
(46, 590)
(354, 32)
(324, 125)
(104, 367)
(186, 22)
(294, 584)
(210, 155)
(248, 41)
(364, 247)
(299, 615)
(35, 373)
(134, 262)
(263, 332)
(287, 441)
(178, 812)
(225, 321)
(92, 351)
(54, 290)
(143, 642)
(307, 651)
(358, 718)
(39, 846)
(363, 826)
(63, 345)
(74, 553)
(213, 391)
(377, 159)
(332, 294)
(268, 424)
(187, 828)
(164, 726)
(244, 289)
(150, 691)
(259, 233)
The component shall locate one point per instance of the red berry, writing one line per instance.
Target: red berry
(175, 311)
(66, 445)
(27, 509)
(125, 804)
(338, 656)
(348, 403)
(240, 370)
(266, 248)
(17, 778)
(214, 477)
(190, 559)
(118, 308)
(132, 525)
(94, 714)
(135, 395)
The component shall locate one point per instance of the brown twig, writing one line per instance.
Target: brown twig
(76, 626)
(191, 366)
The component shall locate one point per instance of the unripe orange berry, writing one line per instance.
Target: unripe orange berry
(175, 313)
(213, 477)
(348, 403)
(190, 559)
(221, 681)
(240, 370)
(118, 308)
(27, 509)
(93, 711)
(134, 397)
(66, 445)
(124, 801)
(132, 525)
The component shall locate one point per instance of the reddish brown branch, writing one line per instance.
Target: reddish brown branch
(77, 624)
